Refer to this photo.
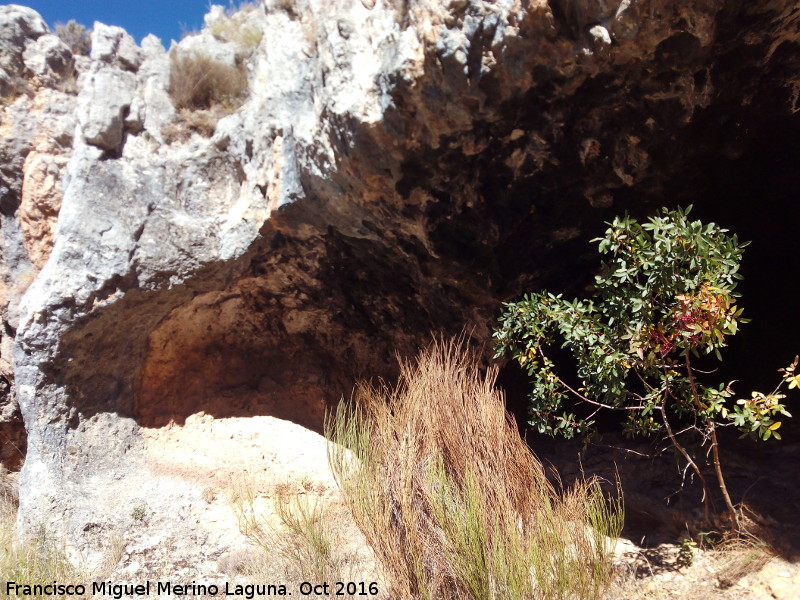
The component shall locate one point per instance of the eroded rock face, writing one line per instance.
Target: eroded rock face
(18, 26)
(394, 172)
(41, 202)
(37, 126)
(114, 45)
(103, 104)
(49, 59)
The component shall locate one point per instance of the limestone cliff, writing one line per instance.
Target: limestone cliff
(397, 169)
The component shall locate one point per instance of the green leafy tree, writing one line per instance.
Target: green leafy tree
(665, 296)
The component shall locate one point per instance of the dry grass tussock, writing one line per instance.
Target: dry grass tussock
(200, 82)
(453, 502)
(237, 26)
(203, 90)
(741, 558)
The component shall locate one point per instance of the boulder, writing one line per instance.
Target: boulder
(49, 59)
(152, 48)
(113, 45)
(205, 44)
(19, 25)
(153, 78)
(103, 105)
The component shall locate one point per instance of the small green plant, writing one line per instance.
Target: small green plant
(664, 298)
(138, 513)
(452, 501)
(707, 540)
(76, 36)
(686, 552)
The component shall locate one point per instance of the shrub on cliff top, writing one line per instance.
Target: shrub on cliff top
(236, 25)
(200, 82)
(76, 36)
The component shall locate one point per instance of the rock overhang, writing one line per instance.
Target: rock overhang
(335, 221)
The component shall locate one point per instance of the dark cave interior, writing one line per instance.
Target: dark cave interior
(737, 162)
(740, 169)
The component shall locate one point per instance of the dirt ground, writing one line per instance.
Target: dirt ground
(214, 459)
(219, 454)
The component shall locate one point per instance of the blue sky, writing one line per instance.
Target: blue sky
(165, 18)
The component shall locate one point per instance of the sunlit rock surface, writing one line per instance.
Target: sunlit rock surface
(396, 170)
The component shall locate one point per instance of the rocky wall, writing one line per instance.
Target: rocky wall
(396, 170)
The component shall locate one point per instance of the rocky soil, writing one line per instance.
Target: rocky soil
(207, 465)
(713, 575)
(206, 462)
